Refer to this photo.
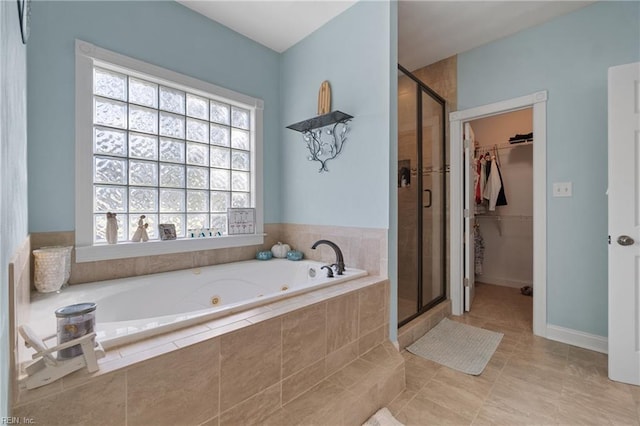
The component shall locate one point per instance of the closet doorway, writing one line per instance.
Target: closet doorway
(501, 208)
(511, 218)
(422, 180)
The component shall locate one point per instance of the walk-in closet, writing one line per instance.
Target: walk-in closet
(501, 196)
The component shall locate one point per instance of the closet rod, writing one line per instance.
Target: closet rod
(501, 217)
(503, 146)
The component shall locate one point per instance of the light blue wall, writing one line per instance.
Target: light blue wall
(568, 57)
(353, 52)
(13, 169)
(164, 33)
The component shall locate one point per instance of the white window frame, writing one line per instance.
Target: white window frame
(88, 56)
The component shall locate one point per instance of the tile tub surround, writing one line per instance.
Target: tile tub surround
(364, 248)
(19, 299)
(269, 365)
(86, 272)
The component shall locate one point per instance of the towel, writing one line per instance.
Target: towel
(382, 417)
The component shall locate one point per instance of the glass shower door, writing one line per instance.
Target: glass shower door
(433, 201)
(421, 198)
(407, 197)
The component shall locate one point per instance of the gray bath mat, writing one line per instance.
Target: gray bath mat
(458, 346)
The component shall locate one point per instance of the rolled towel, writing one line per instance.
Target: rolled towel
(382, 417)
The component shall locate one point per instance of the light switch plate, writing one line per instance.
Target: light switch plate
(562, 189)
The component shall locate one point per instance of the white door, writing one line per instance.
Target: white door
(469, 220)
(624, 223)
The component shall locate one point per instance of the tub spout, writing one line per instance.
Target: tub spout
(339, 259)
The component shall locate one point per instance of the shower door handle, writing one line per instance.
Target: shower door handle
(428, 191)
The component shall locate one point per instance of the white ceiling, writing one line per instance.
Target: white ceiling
(428, 31)
(277, 24)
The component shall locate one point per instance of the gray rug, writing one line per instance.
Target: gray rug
(458, 346)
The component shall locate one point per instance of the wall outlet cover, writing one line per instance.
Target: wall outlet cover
(562, 189)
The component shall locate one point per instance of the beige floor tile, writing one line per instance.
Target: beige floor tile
(401, 401)
(469, 320)
(478, 385)
(421, 411)
(418, 371)
(532, 400)
(611, 399)
(461, 400)
(536, 375)
(503, 415)
(528, 381)
(211, 422)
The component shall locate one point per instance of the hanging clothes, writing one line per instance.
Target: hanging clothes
(494, 188)
(477, 172)
(502, 198)
(478, 249)
(480, 179)
(493, 185)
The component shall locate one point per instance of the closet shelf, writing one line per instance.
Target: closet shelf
(501, 217)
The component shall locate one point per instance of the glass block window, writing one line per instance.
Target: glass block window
(171, 154)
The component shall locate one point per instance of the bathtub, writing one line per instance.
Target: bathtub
(131, 309)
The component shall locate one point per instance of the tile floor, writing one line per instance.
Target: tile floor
(529, 380)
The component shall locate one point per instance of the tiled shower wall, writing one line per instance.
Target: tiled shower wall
(364, 248)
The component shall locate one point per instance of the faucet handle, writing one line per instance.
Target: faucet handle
(329, 270)
(337, 268)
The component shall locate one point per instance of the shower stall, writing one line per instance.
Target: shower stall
(422, 184)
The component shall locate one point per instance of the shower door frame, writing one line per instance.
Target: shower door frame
(420, 307)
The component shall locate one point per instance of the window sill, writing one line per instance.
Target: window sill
(150, 248)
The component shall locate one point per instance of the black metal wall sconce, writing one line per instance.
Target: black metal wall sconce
(326, 134)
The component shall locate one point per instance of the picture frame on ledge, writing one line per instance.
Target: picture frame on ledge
(241, 221)
(167, 231)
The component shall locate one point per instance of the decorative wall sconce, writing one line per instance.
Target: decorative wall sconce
(326, 134)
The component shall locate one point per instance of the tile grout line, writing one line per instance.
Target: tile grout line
(493, 385)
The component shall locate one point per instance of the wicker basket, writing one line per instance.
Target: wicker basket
(52, 268)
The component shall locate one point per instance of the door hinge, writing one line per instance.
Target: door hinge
(466, 213)
(609, 238)
(466, 282)
(466, 143)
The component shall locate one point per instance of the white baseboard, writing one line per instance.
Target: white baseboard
(578, 338)
(504, 282)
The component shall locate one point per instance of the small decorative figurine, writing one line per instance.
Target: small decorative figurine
(141, 232)
(112, 228)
